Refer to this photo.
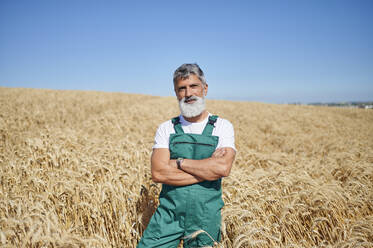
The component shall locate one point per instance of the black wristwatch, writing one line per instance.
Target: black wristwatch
(178, 162)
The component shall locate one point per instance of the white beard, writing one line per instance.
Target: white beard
(192, 109)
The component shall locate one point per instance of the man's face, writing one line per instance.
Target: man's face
(191, 86)
(190, 93)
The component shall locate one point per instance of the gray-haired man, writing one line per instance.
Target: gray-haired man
(191, 154)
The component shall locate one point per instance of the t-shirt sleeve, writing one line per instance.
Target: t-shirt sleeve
(226, 137)
(161, 137)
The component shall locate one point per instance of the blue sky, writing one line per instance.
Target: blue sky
(267, 51)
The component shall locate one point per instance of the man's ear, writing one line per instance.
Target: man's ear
(206, 86)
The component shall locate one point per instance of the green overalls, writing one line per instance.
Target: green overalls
(184, 210)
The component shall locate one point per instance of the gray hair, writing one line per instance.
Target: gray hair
(184, 71)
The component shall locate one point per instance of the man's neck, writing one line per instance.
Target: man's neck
(197, 118)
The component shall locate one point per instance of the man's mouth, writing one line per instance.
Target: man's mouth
(190, 101)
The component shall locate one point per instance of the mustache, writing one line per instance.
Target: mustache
(184, 99)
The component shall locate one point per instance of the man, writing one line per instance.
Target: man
(192, 152)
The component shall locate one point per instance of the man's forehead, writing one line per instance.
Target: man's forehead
(192, 78)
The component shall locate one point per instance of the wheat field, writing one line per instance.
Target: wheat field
(75, 171)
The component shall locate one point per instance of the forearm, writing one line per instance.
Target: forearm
(207, 169)
(169, 174)
(164, 169)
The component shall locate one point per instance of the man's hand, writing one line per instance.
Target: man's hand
(218, 153)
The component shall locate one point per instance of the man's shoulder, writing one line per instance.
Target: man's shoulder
(220, 122)
(166, 125)
(223, 122)
(169, 123)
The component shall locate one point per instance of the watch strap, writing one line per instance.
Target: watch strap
(178, 163)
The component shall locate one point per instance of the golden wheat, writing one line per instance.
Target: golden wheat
(75, 171)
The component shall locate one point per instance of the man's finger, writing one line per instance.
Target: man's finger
(219, 152)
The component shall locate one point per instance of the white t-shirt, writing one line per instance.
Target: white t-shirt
(223, 129)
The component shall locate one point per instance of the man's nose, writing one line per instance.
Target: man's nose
(188, 92)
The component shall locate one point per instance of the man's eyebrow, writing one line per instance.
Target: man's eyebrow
(192, 84)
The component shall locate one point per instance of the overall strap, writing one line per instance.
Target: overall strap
(177, 125)
(210, 125)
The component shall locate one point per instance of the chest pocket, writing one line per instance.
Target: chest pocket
(193, 146)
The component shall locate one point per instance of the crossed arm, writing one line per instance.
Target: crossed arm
(164, 169)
